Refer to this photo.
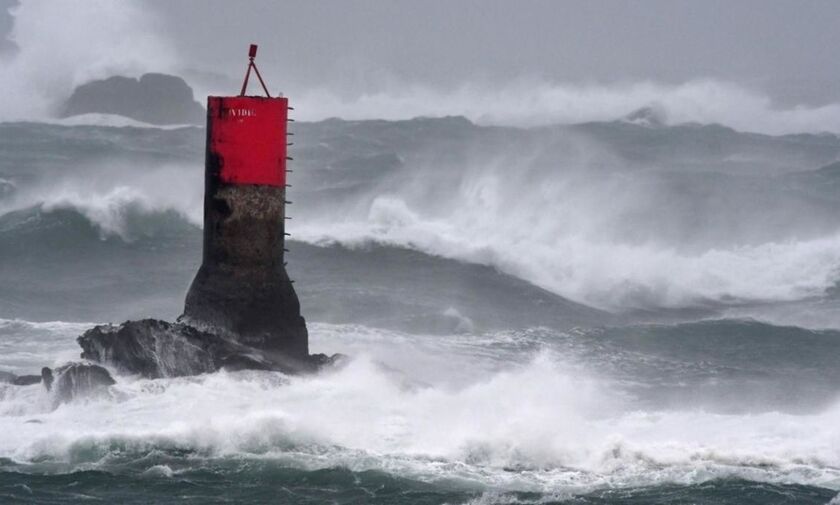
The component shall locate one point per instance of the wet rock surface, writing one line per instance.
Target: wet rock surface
(76, 380)
(153, 349)
(18, 380)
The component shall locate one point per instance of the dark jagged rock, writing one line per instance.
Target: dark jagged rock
(18, 380)
(26, 380)
(652, 116)
(154, 349)
(154, 98)
(149, 348)
(77, 380)
(47, 378)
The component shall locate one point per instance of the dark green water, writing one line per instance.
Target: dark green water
(266, 482)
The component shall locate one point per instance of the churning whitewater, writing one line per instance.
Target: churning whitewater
(575, 433)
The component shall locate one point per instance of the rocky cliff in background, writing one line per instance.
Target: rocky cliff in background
(153, 98)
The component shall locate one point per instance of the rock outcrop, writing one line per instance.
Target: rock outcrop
(652, 116)
(76, 380)
(155, 349)
(153, 98)
(18, 380)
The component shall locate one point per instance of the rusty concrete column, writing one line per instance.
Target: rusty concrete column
(242, 289)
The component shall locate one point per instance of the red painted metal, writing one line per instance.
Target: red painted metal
(247, 137)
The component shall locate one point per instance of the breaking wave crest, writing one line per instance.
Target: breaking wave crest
(118, 212)
(574, 251)
(556, 209)
(117, 201)
(609, 240)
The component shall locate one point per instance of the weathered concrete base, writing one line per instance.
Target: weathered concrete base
(153, 349)
(257, 310)
(242, 290)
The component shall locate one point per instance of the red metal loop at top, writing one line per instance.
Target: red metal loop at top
(252, 53)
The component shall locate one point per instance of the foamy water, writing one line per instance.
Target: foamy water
(597, 271)
(560, 426)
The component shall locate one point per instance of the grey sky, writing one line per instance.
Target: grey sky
(785, 48)
(748, 64)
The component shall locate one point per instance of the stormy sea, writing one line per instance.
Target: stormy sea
(608, 312)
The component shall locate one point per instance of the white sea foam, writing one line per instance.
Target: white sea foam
(570, 243)
(558, 427)
(111, 194)
(551, 242)
(27, 346)
(613, 239)
(113, 120)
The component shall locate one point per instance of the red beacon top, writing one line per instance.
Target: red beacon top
(247, 134)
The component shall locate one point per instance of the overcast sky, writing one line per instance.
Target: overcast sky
(784, 51)
(790, 49)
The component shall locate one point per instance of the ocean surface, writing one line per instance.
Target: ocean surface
(604, 313)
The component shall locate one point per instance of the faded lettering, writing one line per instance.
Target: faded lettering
(239, 112)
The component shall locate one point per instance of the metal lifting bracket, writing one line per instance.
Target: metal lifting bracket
(252, 53)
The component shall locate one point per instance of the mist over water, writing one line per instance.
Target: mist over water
(602, 243)
(532, 102)
(567, 212)
(43, 71)
(131, 40)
